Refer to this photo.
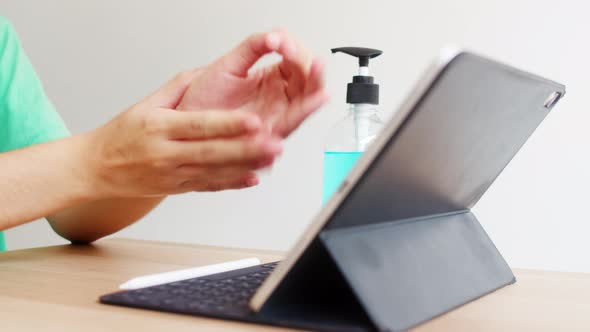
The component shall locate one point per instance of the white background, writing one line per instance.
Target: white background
(98, 57)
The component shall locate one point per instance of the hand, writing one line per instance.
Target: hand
(283, 95)
(152, 149)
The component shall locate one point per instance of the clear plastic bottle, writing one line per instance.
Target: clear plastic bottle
(351, 136)
(345, 143)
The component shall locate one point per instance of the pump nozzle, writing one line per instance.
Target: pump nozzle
(364, 54)
(362, 90)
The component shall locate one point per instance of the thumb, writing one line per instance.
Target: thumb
(170, 94)
(239, 60)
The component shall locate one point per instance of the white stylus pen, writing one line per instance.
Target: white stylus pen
(195, 272)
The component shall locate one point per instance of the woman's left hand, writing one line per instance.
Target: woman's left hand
(282, 95)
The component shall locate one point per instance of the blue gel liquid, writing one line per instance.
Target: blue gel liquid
(336, 167)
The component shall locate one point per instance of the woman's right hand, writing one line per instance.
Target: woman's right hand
(152, 149)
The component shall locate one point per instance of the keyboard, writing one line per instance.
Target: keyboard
(224, 295)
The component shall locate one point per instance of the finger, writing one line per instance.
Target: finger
(308, 106)
(315, 80)
(244, 181)
(221, 172)
(295, 67)
(239, 60)
(210, 124)
(170, 94)
(296, 57)
(226, 151)
(313, 102)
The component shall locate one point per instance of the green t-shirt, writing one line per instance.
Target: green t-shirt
(27, 116)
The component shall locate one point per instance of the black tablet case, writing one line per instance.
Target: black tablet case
(403, 246)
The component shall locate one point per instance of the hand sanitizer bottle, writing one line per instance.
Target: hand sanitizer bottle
(353, 134)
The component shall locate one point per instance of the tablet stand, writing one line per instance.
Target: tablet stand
(389, 276)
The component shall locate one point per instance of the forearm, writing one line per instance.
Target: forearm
(43, 179)
(55, 180)
(90, 221)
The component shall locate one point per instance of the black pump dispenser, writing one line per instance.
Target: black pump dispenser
(362, 90)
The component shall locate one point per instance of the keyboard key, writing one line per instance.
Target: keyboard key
(221, 295)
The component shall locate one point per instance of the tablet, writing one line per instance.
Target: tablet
(453, 135)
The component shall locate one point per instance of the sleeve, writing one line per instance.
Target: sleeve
(27, 116)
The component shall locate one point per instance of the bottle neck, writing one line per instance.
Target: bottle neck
(361, 114)
(363, 109)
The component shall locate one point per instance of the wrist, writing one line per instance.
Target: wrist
(188, 99)
(86, 167)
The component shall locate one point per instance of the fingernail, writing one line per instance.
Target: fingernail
(274, 147)
(273, 40)
(265, 163)
(252, 123)
(252, 180)
(320, 63)
(290, 48)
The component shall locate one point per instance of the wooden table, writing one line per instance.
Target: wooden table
(56, 289)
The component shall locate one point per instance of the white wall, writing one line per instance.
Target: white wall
(98, 57)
